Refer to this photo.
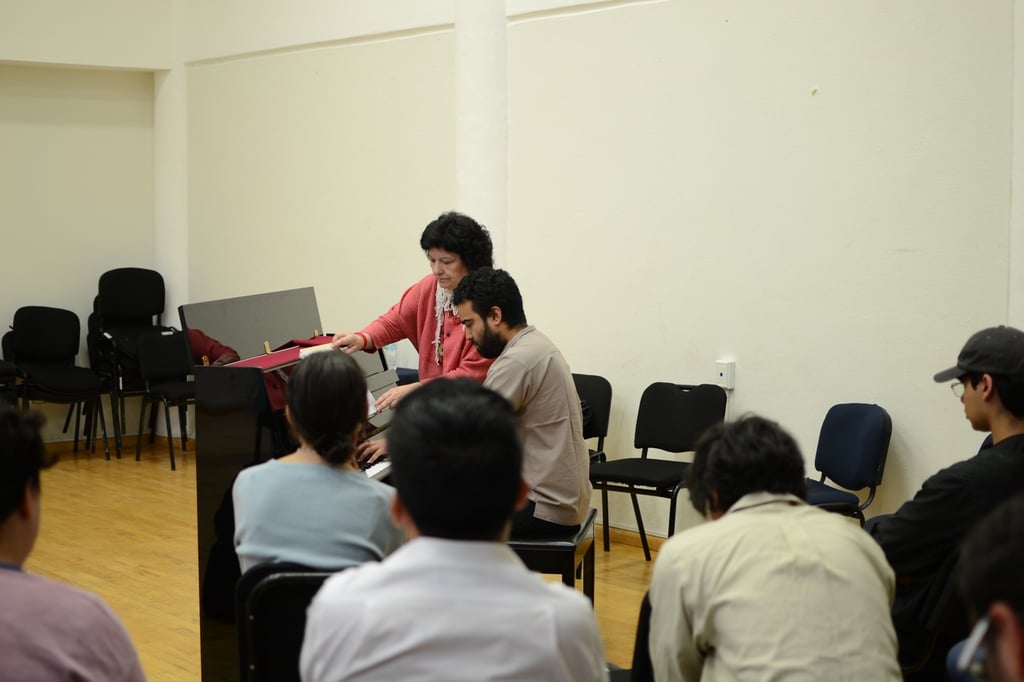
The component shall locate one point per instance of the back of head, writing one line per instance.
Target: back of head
(992, 559)
(22, 455)
(456, 459)
(749, 455)
(461, 235)
(487, 288)
(327, 404)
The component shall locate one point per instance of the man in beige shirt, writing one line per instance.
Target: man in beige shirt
(771, 589)
(530, 372)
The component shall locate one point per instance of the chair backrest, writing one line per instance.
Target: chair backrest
(163, 356)
(596, 391)
(43, 334)
(853, 445)
(130, 296)
(270, 602)
(672, 417)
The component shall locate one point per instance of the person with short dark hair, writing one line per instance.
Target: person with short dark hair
(921, 538)
(315, 506)
(48, 630)
(455, 602)
(989, 579)
(533, 375)
(772, 589)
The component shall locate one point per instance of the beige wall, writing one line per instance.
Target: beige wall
(76, 184)
(821, 190)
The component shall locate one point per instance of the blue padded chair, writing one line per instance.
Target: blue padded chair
(852, 448)
(671, 418)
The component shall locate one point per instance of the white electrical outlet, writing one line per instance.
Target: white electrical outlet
(725, 374)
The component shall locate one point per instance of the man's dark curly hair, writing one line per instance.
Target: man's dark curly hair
(750, 455)
(22, 455)
(461, 235)
(487, 288)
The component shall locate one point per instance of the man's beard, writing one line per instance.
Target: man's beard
(491, 345)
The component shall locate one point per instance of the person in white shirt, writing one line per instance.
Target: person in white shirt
(771, 589)
(454, 603)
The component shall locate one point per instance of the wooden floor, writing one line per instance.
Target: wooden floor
(127, 530)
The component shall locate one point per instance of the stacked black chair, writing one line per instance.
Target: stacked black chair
(852, 449)
(671, 418)
(270, 607)
(165, 367)
(43, 343)
(129, 303)
(8, 381)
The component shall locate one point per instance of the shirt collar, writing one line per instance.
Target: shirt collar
(762, 498)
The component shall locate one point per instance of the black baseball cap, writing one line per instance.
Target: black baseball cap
(996, 350)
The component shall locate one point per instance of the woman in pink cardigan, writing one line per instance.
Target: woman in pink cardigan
(455, 245)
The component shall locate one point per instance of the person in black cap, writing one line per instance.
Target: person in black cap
(920, 540)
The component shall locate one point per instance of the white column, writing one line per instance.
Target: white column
(170, 191)
(1015, 297)
(481, 116)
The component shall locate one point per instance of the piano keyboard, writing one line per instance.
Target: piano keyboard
(378, 470)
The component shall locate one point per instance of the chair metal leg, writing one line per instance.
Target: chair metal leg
(640, 526)
(154, 411)
(103, 427)
(138, 440)
(67, 419)
(181, 423)
(672, 510)
(170, 434)
(113, 424)
(604, 519)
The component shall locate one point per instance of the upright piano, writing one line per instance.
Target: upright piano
(233, 412)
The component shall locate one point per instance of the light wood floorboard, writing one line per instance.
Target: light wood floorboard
(127, 530)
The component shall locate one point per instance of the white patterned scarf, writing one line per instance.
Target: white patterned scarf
(442, 303)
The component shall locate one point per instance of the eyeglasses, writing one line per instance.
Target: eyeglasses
(958, 389)
(972, 657)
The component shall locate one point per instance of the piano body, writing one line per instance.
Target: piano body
(232, 411)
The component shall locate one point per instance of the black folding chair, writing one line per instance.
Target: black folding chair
(270, 606)
(43, 343)
(165, 368)
(671, 417)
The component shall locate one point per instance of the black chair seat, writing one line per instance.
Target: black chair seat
(61, 380)
(652, 473)
(175, 391)
(821, 495)
(562, 555)
(8, 370)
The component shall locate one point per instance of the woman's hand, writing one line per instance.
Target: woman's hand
(348, 342)
(394, 396)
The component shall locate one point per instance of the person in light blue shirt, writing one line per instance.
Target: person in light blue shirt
(315, 507)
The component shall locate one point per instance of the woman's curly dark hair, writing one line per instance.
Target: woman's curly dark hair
(461, 235)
